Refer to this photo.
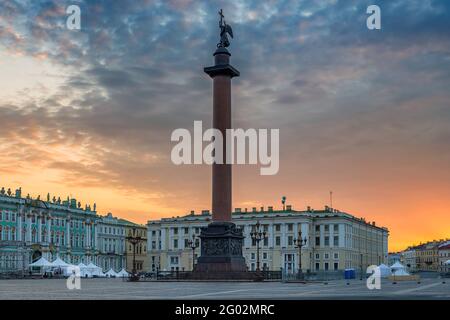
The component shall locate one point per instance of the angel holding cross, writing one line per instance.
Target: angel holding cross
(224, 30)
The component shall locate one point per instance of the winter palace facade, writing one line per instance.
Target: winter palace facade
(31, 228)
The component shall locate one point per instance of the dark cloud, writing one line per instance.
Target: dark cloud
(310, 68)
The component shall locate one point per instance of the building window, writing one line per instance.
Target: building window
(252, 256)
(175, 230)
(317, 256)
(175, 243)
(290, 226)
(336, 255)
(318, 228)
(266, 242)
(336, 266)
(327, 228)
(186, 230)
(277, 227)
(278, 241)
(326, 256)
(265, 255)
(327, 241)
(290, 240)
(317, 266)
(326, 266)
(317, 241)
(173, 260)
(336, 241)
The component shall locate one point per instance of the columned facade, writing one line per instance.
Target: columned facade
(335, 240)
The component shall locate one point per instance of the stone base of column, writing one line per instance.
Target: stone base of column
(221, 249)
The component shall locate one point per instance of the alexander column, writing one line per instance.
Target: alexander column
(221, 241)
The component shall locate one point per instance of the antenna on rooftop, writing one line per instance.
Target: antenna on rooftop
(331, 199)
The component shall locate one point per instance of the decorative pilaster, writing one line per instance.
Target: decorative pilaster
(68, 245)
(28, 227)
(49, 229)
(39, 222)
(19, 225)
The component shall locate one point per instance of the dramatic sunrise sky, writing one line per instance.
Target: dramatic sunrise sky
(363, 113)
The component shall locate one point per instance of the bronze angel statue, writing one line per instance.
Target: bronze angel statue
(224, 30)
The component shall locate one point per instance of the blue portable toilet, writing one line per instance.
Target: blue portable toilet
(349, 273)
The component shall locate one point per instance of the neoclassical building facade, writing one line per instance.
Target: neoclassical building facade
(33, 228)
(335, 240)
(51, 228)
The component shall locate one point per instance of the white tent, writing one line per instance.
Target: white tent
(111, 273)
(94, 270)
(385, 271)
(59, 263)
(41, 263)
(71, 270)
(123, 273)
(397, 266)
(84, 270)
(447, 262)
(400, 272)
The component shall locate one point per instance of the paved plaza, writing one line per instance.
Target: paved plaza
(119, 289)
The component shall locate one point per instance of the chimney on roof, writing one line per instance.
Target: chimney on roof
(192, 212)
(237, 210)
(254, 209)
(308, 208)
(270, 209)
(262, 209)
(288, 207)
(246, 210)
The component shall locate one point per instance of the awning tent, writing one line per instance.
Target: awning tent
(123, 274)
(111, 273)
(81, 265)
(59, 263)
(84, 270)
(65, 268)
(41, 263)
(94, 270)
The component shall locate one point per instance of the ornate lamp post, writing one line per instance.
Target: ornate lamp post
(257, 235)
(299, 243)
(193, 245)
(134, 240)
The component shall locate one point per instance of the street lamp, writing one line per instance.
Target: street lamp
(257, 235)
(193, 245)
(134, 240)
(299, 243)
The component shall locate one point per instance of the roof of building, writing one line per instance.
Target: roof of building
(326, 212)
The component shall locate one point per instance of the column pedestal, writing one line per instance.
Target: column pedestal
(221, 249)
